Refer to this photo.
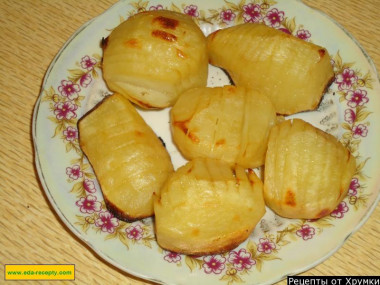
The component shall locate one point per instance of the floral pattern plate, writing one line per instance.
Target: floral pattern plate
(278, 247)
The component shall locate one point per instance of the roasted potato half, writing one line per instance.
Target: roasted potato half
(228, 123)
(153, 56)
(307, 171)
(207, 207)
(128, 158)
(292, 72)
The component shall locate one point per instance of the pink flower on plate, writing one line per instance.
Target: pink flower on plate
(85, 80)
(71, 134)
(303, 34)
(89, 204)
(340, 210)
(107, 222)
(227, 16)
(274, 18)
(89, 186)
(360, 131)
(65, 110)
(69, 89)
(74, 172)
(252, 13)
(88, 63)
(191, 10)
(154, 8)
(266, 246)
(354, 185)
(356, 98)
(241, 259)
(134, 232)
(172, 257)
(346, 79)
(349, 116)
(306, 232)
(214, 264)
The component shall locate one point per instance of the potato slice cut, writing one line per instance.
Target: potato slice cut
(153, 56)
(228, 123)
(292, 72)
(207, 207)
(128, 158)
(307, 171)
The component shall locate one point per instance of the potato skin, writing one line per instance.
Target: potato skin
(207, 207)
(153, 56)
(128, 158)
(228, 123)
(292, 72)
(307, 171)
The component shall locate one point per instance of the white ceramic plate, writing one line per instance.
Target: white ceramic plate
(278, 247)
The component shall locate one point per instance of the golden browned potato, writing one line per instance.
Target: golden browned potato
(154, 56)
(128, 159)
(207, 207)
(307, 171)
(292, 72)
(228, 123)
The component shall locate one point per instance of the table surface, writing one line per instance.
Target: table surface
(32, 32)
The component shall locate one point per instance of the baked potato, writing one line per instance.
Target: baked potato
(128, 159)
(207, 207)
(307, 171)
(294, 73)
(153, 56)
(228, 123)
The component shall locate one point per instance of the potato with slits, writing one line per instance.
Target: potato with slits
(228, 123)
(307, 171)
(128, 158)
(207, 207)
(153, 56)
(292, 72)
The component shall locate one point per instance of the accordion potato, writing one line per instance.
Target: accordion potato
(154, 56)
(292, 72)
(128, 159)
(228, 123)
(307, 171)
(207, 207)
